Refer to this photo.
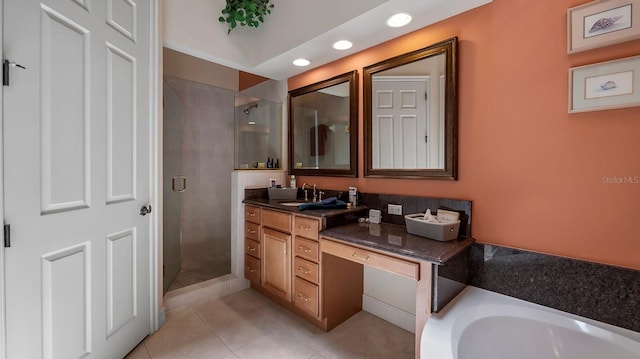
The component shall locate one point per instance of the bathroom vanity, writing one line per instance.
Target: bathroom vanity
(312, 261)
(283, 260)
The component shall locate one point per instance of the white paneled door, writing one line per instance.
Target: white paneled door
(77, 172)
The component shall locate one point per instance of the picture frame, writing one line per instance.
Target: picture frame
(602, 23)
(605, 85)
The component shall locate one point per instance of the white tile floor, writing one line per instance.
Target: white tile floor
(248, 325)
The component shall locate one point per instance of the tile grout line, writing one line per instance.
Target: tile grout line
(213, 331)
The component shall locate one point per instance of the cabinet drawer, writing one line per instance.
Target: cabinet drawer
(276, 220)
(252, 269)
(252, 248)
(306, 270)
(252, 231)
(306, 249)
(306, 296)
(306, 227)
(252, 214)
(378, 260)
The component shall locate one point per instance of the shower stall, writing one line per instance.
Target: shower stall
(198, 144)
(208, 132)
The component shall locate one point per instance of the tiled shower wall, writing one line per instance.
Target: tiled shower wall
(206, 129)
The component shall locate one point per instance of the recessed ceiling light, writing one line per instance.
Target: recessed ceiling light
(301, 62)
(342, 45)
(398, 20)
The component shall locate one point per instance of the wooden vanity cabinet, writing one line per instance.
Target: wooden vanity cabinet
(283, 261)
(306, 265)
(252, 244)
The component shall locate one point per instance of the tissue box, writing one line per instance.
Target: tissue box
(282, 193)
(438, 231)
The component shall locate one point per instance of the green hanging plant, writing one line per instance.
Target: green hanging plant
(245, 13)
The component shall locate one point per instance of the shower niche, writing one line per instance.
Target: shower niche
(258, 133)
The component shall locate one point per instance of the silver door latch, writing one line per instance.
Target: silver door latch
(146, 209)
(5, 70)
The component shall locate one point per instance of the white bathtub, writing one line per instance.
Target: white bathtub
(479, 324)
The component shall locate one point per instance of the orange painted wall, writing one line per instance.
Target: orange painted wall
(533, 171)
(246, 80)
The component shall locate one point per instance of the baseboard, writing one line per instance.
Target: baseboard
(162, 317)
(389, 313)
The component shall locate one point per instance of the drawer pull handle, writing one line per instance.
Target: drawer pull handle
(251, 231)
(251, 249)
(303, 297)
(360, 257)
(304, 270)
(251, 214)
(304, 249)
(251, 270)
(304, 228)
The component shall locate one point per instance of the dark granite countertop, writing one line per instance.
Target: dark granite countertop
(276, 204)
(394, 238)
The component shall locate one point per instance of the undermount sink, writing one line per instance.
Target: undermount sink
(290, 204)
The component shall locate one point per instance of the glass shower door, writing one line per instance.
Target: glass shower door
(172, 167)
(198, 161)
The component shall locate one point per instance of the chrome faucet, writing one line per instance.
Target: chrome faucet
(321, 193)
(315, 197)
(305, 191)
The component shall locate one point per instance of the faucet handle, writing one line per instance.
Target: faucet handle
(321, 194)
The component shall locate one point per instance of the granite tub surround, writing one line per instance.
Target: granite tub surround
(604, 293)
(450, 279)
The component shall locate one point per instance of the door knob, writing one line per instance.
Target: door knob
(146, 209)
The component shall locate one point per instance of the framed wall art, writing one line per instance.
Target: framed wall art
(605, 85)
(602, 23)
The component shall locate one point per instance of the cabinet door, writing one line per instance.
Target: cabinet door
(276, 263)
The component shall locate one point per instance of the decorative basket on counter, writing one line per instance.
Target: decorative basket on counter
(438, 231)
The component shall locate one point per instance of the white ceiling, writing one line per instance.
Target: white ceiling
(295, 28)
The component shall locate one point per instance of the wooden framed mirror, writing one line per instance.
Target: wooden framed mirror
(323, 127)
(411, 114)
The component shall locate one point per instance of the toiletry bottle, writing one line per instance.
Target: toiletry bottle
(292, 181)
(353, 196)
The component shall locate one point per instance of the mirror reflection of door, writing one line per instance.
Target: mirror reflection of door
(410, 119)
(407, 122)
(400, 117)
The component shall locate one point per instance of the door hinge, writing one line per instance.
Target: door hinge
(6, 64)
(7, 235)
(426, 96)
(426, 139)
